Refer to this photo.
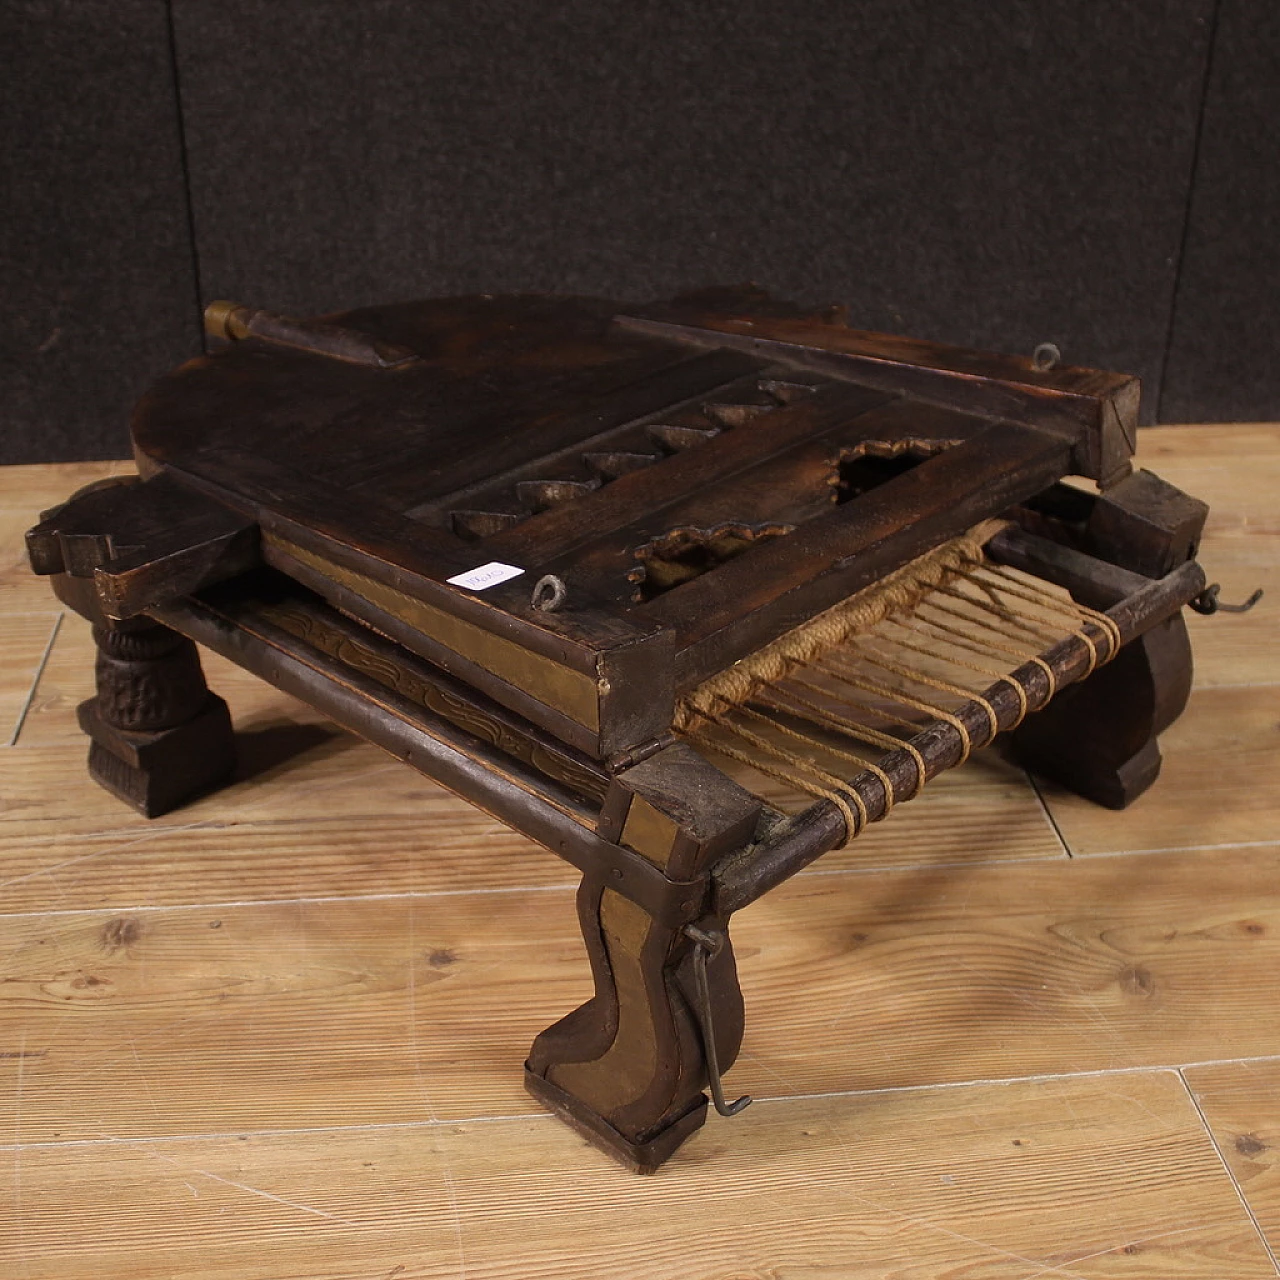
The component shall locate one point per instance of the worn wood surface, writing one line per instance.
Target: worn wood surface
(279, 1033)
(1240, 1102)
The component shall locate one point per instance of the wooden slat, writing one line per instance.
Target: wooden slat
(341, 819)
(559, 530)
(749, 601)
(1003, 385)
(1096, 410)
(791, 487)
(1241, 1103)
(1102, 1179)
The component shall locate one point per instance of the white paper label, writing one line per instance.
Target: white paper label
(486, 576)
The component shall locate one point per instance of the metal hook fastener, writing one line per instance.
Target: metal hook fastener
(1207, 602)
(706, 946)
(1045, 357)
(548, 593)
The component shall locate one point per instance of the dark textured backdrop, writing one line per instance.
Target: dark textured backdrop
(1100, 174)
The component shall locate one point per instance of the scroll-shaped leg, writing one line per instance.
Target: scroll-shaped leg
(1098, 738)
(158, 736)
(628, 1067)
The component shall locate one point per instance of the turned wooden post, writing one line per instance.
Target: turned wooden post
(1098, 737)
(158, 736)
(628, 1067)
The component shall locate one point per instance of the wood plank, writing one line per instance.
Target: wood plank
(1218, 785)
(281, 1014)
(554, 532)
(1100, 1179)
(1239, 649)
(793, 486)
(1241, 1104)
(37, 486)
(990, 972)
(1005, 386)
(338, 818)
(67, 680)
(749, 601)
(24, 639)
(1234, 467)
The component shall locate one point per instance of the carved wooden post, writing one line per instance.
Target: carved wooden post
(628, 1067)
(159, 737)
(113, 549)
(1099, 736)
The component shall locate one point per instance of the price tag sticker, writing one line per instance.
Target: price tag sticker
(486, 576)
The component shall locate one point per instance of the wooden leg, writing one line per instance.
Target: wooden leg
(1099, 737)
(159, 737)
(627, 1068)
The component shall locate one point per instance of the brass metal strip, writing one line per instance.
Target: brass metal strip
(574, 693)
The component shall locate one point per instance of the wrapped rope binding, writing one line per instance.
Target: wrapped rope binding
(860, 680)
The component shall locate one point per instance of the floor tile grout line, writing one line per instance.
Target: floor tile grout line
(410, 895)
(982, 1081)
(1244, 684)
(1177, 848)
(1048, 813)
(417, 894)
(887, 869)
(35, 679)
(519, 1116)
(907, 868)
(1226, 1168)
(377, 1126)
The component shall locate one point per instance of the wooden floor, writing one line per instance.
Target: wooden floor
(280, 1033)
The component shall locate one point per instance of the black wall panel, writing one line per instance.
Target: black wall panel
(95, 255)
(995, 174)
(1224, 357)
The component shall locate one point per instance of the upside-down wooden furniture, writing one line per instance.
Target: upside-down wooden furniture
(632, 579)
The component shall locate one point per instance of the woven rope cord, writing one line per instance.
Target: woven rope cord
(855, 728)
(987, 669)
(901, 589)
(950, 607)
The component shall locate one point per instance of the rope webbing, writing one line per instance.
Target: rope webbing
(858, 671)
